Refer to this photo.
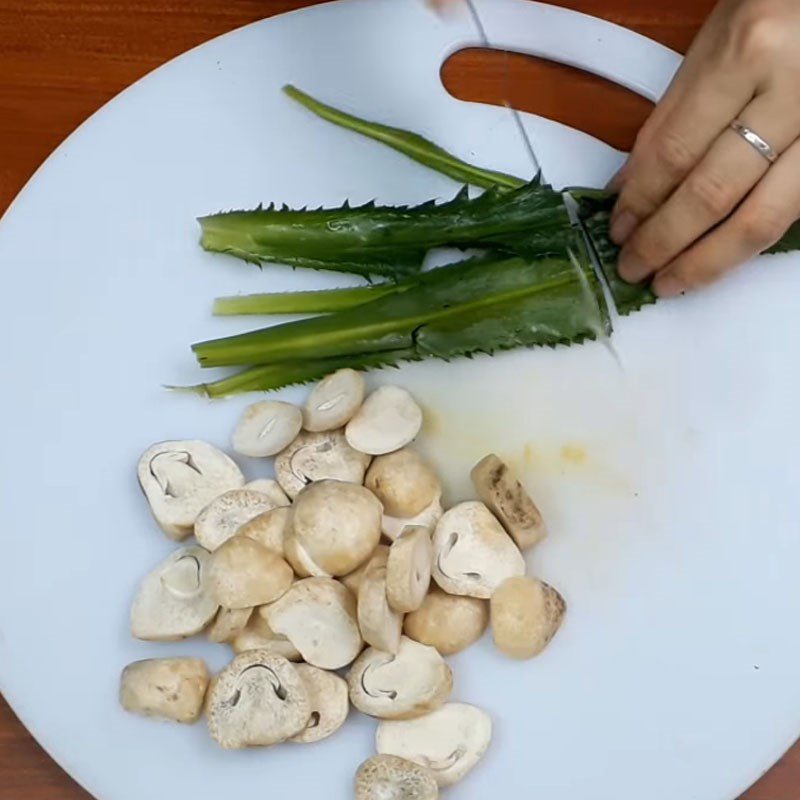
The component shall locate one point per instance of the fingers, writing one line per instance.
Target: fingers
(757, 225)
(710, 192)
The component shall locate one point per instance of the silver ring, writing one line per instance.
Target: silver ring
(762, 146)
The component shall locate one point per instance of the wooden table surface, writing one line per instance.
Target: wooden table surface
(60, 60)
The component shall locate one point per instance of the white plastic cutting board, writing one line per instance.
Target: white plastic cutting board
(671, 486)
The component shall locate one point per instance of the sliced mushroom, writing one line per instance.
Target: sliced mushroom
(316, 457)
(268, 529)
(506, 498)
(221, 519)
(228, 624)
(428, 518)
(271, 489)
(448, 742)
(174, 601)
(388, 420)
(257, 701)
(257, 635)
(473, 555)
(393, 778)
(334, 401)
(181, 478)
(408, 570)
(243, 574)
(403, 686)
(526, 614)
(167, 688)
(337, 526)
(266, 428)
(330, 703)
(404, 483)
(380, 626)
(318, 616)
(448, 622)
(353, 579)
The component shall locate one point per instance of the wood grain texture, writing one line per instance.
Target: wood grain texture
(63, 59)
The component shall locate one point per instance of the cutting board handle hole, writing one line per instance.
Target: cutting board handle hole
(565, 94)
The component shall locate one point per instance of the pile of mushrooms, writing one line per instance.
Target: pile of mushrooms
(347, 562)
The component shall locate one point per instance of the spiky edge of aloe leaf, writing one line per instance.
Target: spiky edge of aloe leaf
(416, 147)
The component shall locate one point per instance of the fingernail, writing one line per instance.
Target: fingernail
(668, 286)
(623, 224)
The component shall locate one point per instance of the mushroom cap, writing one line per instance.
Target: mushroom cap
(266, 428)
(221, 519)
(448, 622)
(243, 574)
(408, 570)
(258, 700)
(228, 624)
(526, 614)
(392, 527)
(404, 483)
(174, 600)
(391, 778)
(337, 525)
(318, 616)
(388, 420)
(334, 401)
(180, 478)
(330, 703)
(319, 456)
(268, 529)
(448, 742)
(257, 635)
(412, 683)
(507, 499)
(167, 688)
(353, 579)
(380, 626)
(473, 555)
(272, 489)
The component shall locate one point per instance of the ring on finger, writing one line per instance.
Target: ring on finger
(758, 143)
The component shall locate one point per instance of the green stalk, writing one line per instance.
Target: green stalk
(416, 147)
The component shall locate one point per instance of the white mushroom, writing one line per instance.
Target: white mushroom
(473, 555)
(268, 529)
(448, 742)
(526, 614)
(257, 635)
(272, 489)
(330, 703)
(317, 457)
(174, 600)
(181, 478)
(243, 574)
(257, 701)
(507, 499)
(380, 626)
(318, 616)
(228, 624)
(393, 778)
(334, 401)
(404, 483)
(222, 517)
(408, 570)
(388, 420)
(167, 688)
(412, 683)
(428, 518)
(266, 428)
(336, 526)
(448, 622)
(353, 579)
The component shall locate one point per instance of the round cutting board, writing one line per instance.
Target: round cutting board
(669, 477)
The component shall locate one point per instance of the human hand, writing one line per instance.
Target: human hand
(695, 198)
